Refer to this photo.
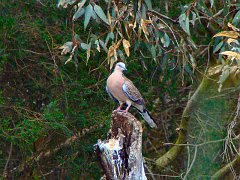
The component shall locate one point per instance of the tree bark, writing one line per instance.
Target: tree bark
(120, 156)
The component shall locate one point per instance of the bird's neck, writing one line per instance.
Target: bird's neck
(118, 72)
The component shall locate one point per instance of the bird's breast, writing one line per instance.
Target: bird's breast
(114, 84)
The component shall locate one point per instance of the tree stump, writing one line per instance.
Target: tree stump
(120, 156)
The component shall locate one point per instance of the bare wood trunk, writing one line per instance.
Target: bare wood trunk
(120, 156)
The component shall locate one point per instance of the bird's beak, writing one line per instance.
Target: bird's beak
(125, 69)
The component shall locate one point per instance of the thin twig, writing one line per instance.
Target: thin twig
(9, 157)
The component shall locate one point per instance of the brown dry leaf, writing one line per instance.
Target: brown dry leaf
(232, 54)
(126, 26)
(139, 32)
(230, 40)
(110, 52)
(233, 69)
(88, 53)
(233, 27)
(230, 34)
(215, 70)
(115, 55)
(118, 44)
(126, 46)
(144, 27)
(110, 21)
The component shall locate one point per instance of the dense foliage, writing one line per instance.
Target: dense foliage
(55, 58)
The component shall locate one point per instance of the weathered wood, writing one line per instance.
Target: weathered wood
(120, 156)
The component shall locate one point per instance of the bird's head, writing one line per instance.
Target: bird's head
(120, 66)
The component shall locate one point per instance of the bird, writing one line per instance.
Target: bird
(122, 90)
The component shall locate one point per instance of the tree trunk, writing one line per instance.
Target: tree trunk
(120, 156)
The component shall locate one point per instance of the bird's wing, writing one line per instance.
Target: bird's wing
(111, 96)
(132, 92)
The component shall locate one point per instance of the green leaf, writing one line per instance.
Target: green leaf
(212, 3)
(153, 51)
(148, 3)
(88, 14)
(187, 26)
(100, 13)
(194, 17)
(218, 47)
(164, 61)
(184, 23)
(236, 19)
(85, 46)
(144, 11)
(165, 40)
(103, 45)
(78, 12)
(121, 55)
(110, 35)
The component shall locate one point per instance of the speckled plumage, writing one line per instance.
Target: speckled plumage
(123, 90)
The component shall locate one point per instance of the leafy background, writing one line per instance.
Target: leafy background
(53, 112)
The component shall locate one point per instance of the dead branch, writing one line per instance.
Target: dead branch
(120, 156)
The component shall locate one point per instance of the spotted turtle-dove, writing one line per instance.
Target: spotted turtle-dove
(122, 90)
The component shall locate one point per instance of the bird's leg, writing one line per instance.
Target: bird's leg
(120, 107)
(126, 110)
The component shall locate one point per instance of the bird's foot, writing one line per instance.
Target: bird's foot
(125, 111)
(120, 107)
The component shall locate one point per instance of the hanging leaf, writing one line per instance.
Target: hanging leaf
(112, 61)
(215, 70)
(184, 23)
(100, 13)
(230, 40)
(84, 46)
(115, 54)
(88, 14)
(66, 47)
(144, 26)
(153, 51)
(65, 3)
(121, 55)
(218, 47)
(110, 53)
(193, 61)
(194, 17)
(144, 11)
(187, 26)
(78, 12)
(233, 27)
(126, 46)
(98, 46)
(89, 51)
(211, 2)
(165, 40)
(231, 54)
(230, 34)
(236, 19)
(103, 45)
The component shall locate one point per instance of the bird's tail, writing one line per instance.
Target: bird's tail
(147, 117)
